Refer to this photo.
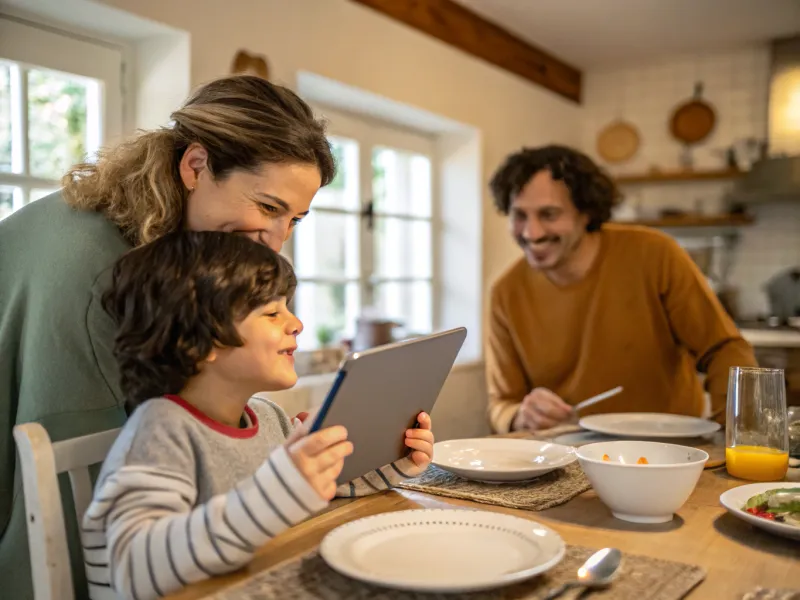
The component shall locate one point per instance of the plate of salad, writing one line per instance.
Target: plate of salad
(774, 507)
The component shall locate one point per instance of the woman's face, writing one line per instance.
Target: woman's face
(264, 205)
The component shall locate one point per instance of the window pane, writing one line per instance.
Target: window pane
(401, 182)
(62, 120)
(342, 192)
(10, 200)
(326, 245)
(5, 118)
(402, 248)
(37, 193)
(408, 303)
(325, 305)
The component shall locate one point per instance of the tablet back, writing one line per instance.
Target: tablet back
(379, 392)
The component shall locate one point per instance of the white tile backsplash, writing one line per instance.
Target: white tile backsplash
(736, 84)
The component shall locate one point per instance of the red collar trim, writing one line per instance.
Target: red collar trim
(234, 432)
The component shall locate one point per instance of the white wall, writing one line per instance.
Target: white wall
(161, 76)
(458, 222)
(736, 83)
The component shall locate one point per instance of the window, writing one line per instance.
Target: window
(58, 104)
(367, 245)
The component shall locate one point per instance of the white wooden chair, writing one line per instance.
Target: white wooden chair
(41, 462)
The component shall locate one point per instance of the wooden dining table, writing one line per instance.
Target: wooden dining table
(736, 556)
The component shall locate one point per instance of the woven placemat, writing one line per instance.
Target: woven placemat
(772, 594)
(547, 491)
(640, 578)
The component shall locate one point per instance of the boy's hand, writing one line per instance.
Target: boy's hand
(320, 457)
(420, 441)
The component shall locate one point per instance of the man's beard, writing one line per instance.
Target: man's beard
(565, 248)
(525, 244)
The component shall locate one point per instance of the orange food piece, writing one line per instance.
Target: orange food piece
(642, 461)
(605, 457)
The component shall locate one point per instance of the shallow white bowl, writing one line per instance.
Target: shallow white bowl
(650, 493)
(497, 460)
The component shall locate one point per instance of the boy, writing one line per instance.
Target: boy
(203, 474)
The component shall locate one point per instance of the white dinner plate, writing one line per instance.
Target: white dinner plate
(442, 550)
(650, 425)
(735, 499)
(498, 460)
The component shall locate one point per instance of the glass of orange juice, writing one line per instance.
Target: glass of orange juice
(756, 433)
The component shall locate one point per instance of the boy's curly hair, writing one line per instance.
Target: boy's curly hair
(180, 296)
(592, 190)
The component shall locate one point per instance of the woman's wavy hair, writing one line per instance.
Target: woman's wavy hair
(176, 299)
(592, 190)
(242, 122)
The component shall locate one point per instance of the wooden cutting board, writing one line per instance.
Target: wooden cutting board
(618, 142)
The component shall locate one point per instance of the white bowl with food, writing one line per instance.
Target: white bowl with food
(642, 482)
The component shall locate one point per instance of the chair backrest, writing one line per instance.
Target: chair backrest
(41, 462)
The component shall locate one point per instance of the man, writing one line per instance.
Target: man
(594, 305)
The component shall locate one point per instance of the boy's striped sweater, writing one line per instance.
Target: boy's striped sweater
(181, 497)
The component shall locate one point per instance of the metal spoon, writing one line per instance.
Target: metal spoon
(598, 571)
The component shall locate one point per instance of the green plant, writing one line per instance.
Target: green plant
(325, 335)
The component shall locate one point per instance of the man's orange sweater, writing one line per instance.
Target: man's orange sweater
(643, 317)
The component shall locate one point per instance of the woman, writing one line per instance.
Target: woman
(242, 155)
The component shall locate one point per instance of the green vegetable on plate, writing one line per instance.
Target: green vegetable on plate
(781, 505)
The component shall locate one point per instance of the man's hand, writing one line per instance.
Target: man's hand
(320, 456)
(541, 409)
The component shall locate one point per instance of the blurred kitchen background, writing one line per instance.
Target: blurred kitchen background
(692, 105)
(724, 180)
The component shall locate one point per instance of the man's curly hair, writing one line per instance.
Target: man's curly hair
(179, 297)
(592, 190)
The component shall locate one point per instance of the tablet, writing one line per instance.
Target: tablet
(378, 393)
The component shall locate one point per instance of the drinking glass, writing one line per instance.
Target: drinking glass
(756, 433)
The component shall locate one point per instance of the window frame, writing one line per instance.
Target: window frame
(370, 134)
(25, 46)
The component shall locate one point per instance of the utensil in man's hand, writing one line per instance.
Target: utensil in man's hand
(598, 571)
(598, 398)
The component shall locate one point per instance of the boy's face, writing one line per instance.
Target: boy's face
(265, 362)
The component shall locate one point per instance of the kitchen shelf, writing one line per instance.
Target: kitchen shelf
(697, 221)
(678, 176)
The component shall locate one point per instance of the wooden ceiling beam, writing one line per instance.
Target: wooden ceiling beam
(460, 27)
